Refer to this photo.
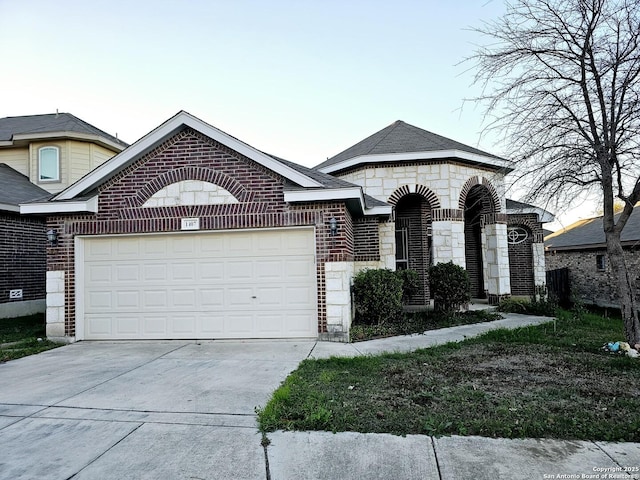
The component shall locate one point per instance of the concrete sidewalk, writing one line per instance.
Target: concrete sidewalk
(185, 410)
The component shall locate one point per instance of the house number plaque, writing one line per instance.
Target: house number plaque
(190, 224)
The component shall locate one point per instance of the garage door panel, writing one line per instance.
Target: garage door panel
(128, 247)
(183, 271)
(155, 299)
(212, 325)
(126, 326)
(183, 299)
(238, 324)
(183, 324)
(239, 270)
(183, 246)
(269, 296)
(127, 272)
(99, 273)
(298, 296)
(297, 323)
(270, 323)
(268, 269)
(200, 285)
(128, 300)
(154, 272)
(213, 271)
(299, 268)
(155, 325)
(97, 300)
(154, 247)
(239, 297)
(212, 299)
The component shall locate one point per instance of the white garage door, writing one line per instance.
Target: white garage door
(251, 284)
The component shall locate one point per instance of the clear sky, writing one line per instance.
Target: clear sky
(301, 79)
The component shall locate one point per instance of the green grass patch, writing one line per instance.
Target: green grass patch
(19, 337)
(420, 322)
(550, 380)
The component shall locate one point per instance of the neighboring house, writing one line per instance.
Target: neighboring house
(22, 247)
(39, 155)
(581, 248)
(191, 233)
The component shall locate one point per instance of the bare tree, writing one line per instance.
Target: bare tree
(561, 83)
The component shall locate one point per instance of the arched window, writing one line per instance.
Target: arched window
(49, 164)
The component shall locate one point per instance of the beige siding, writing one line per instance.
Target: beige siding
(80, 160)
(16, 158)
(99, 155)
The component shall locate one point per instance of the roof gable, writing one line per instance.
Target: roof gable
(402, 141)
(34, 127)
(179, 121)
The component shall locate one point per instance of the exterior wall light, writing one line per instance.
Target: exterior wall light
(52, 237)
(333, 226)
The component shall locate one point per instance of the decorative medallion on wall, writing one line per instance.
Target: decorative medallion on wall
(516, 235)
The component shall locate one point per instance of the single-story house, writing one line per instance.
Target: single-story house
(192, 233)
(581, 248)
(39, 155)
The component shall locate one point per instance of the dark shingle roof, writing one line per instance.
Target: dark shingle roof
(49, 123)
(590, 233)
(400, 137)
(16, 188)
(327, 181)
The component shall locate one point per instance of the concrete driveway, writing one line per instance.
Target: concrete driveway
(185, 410)
(140, 410)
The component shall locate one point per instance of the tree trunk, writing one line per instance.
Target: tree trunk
(626, 288)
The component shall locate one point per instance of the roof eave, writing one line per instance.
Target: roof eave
(543, 215)
(49, 208)
(8, 207)
(87, 137)
(497, 163)
(174, 124)
(329, 194)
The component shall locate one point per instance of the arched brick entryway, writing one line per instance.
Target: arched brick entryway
(413, 234)
(478, 199)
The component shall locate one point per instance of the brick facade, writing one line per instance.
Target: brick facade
(521, 255)
(22, 257)
(189, 155)
(588, 282)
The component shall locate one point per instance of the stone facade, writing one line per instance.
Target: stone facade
(587, 281)
(445, 185)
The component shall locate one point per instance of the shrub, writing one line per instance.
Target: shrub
(410, 283)
(540, 304)
(450, 287)
(377, 294)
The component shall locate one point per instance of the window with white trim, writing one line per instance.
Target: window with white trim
(49, 164)
(601, 262)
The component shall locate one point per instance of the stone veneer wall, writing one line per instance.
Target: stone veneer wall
(444, 182)
(593, 286)
(338, 276)
(445, 179)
